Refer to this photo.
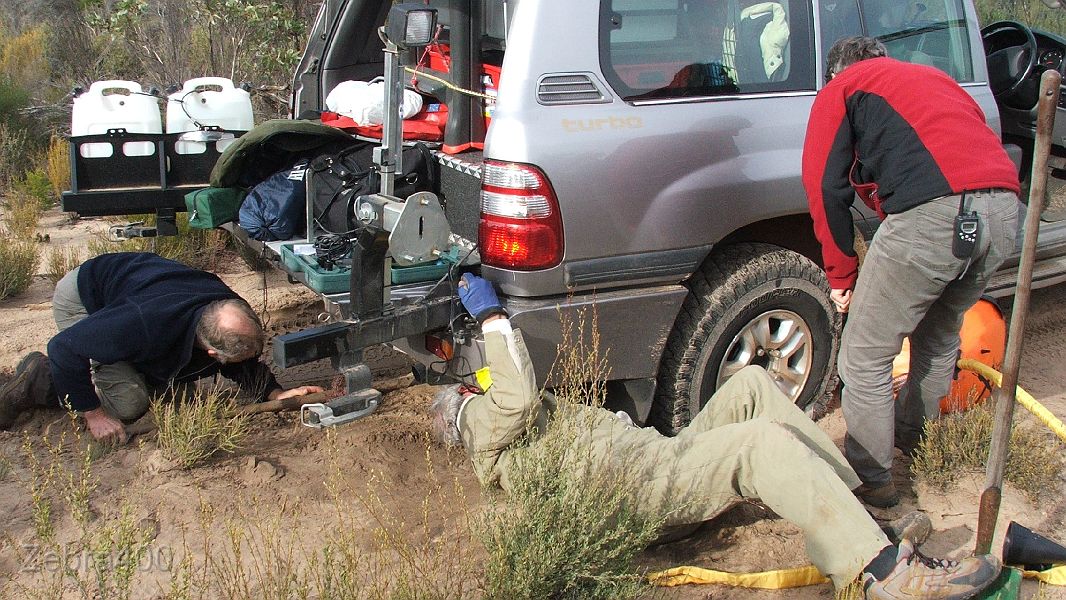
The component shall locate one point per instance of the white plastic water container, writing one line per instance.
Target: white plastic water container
(207, 102)
(115, 104)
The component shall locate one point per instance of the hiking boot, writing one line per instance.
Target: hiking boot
(914, 526)
(881, 496)
(29, 388)
(916, 576)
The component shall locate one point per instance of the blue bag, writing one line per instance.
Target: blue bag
(276, 208)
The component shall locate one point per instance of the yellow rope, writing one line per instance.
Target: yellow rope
(1023, 397)
(767, 580)
(448, 84)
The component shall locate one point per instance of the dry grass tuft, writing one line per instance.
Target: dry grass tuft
(23, 212)
(18, 265)
(199, 428)
(853, 591)
(958, 443)
(62, 261)
(207, 249)
(57, 164)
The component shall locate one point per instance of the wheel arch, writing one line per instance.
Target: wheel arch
(793, 232)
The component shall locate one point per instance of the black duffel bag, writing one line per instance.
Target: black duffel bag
(337, 179)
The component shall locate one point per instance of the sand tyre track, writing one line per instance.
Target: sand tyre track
(750, 304)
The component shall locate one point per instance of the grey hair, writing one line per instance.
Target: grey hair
(231, 344)
(850, 50)
(445, 413)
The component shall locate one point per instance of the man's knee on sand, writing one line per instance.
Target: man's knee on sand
(753, 387)
(122, 391)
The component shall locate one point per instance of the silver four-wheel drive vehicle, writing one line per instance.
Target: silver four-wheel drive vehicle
(642, 161)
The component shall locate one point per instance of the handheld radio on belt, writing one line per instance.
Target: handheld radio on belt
(966, 230)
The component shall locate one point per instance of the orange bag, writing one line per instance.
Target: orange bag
(984, 338)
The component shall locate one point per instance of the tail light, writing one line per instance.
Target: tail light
(440, 347)
(520, 228)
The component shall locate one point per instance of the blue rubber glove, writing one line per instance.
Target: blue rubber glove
(478, 297)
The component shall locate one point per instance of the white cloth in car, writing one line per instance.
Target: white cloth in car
(774, 36)
(364, 101)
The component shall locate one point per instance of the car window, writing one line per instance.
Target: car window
(685, 48)
(929, 32)
(838, 19)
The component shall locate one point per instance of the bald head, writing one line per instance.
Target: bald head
(230, 331)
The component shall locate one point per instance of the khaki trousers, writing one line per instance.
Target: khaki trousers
(749, 441)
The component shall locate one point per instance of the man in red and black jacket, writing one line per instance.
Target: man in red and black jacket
(915, 146)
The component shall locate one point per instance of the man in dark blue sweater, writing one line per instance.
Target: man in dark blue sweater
(132, 325)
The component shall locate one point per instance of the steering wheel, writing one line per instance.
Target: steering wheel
(1009, 67)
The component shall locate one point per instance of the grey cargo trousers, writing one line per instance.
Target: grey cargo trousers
(121, 388)
(911, 285)
(749, 441)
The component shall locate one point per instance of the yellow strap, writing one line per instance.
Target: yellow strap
(1053, 576)
(484, 379)
(1023, 397)
(767, 580)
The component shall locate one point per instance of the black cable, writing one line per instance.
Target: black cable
(330, 249)
(198, 124)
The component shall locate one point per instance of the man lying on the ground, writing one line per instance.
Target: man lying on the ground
(132, 326)
(748, 441)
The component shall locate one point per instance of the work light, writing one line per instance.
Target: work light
(411, 25)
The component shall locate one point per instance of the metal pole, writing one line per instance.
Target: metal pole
(1004, 394)
(390, 155)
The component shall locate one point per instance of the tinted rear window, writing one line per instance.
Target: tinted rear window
(684, 48)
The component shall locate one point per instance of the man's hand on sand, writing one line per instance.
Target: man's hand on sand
(303, 390)
(104, 427)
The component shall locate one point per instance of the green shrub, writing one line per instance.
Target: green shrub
(18, 264)
(12, 99)
(569, 527)
(15, 145)
(35, 184)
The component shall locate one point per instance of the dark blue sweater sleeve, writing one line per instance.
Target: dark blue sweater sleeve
(101, 337)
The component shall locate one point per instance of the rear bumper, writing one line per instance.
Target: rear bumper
(632, 325)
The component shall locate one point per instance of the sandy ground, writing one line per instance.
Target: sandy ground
(291, 468)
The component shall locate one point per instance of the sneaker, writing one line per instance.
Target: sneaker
(914, 526)
(916, 576)
(30, 387)
(881, 496)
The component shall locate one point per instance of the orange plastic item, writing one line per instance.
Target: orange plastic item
(984, 338)
(423, 126)
(439, 59)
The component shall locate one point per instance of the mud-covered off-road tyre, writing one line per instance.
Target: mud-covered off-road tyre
(740, 285)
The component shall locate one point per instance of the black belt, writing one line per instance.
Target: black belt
(987, 191)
